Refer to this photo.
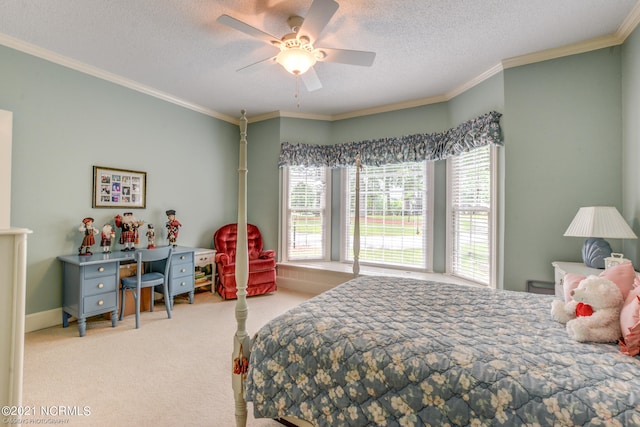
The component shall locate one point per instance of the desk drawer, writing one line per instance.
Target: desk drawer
(99, 270)
(180, 285)
(99, 303)
(99, 285)
(180, 270)
(182, 258)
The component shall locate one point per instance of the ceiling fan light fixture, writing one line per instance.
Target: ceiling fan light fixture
(296, 60)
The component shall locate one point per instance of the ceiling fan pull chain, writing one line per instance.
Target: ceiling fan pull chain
(297, 94)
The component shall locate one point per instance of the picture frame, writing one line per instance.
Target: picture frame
(119, 188)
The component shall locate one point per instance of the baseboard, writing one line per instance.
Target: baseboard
(43, 319)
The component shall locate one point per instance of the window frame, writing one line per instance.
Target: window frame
(286, 215)
(492, 220)
(427, 224)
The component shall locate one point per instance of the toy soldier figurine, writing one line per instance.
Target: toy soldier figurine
(129, 230)
(106, 237)
(173, 226)
(151, 237)
(89, 240)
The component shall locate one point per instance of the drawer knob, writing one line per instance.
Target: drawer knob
(182, 257)
(100, 302)
(183, 270)
(101, 269)
(100, 285)
(183, 284)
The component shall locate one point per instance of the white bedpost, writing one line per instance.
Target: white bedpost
(241, 341)
(356, 224)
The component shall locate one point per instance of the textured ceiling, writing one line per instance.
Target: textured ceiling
(176, 48)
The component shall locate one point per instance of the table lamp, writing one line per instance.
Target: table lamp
(597, 223)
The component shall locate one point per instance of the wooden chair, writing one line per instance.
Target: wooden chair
(157, 263)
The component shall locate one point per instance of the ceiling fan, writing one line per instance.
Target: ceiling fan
(297, 53)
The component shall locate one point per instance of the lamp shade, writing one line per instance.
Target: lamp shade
(296, 60)
(600, 221)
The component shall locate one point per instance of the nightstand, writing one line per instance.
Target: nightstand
(562, 268)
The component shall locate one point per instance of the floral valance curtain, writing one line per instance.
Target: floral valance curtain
(471, 134)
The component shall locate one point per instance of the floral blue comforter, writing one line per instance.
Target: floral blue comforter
(401, 352)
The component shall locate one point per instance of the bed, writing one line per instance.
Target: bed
(396, 351)
(403, 352)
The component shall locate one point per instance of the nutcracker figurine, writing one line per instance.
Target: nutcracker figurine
(151, 237)
(89, 239)
(173, 227)
(107, 236)
(129, 230)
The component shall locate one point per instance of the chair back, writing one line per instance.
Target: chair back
(152, 259)
(225, 241)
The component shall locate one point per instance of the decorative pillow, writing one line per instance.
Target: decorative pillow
(622, 275)
(630, 323)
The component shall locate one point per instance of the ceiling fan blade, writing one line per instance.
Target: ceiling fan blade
(318, 16)
(311, 80)
(352, 57)
(248, 29)
(259, 64)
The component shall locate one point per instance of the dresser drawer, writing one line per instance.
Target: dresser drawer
(99, 285)
(99, 270)
(99, 303)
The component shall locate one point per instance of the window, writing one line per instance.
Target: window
(395, 211)
(306, 219)
(471, 215)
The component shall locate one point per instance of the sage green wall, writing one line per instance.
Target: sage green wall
(631, 142)
(263, 178)
(64, 122)
(263, 207)
(563, 151)
(484, 97)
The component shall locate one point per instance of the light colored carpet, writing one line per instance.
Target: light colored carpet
(170, 372)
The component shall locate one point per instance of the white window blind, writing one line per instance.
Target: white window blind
(306, 226)
(393, 215)
(470, 215)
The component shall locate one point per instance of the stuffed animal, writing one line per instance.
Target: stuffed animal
(594, 313)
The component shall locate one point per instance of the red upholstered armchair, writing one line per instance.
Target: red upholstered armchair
(262, 264)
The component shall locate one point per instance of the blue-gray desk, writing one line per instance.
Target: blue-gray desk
(90, 283)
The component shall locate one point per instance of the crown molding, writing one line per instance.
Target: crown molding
(288, 114)
(629, 24)
(105, 75)
(562, 51)
(390, 107)
(496, 69)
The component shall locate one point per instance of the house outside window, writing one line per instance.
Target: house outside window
(306, 218)
(396, 206)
